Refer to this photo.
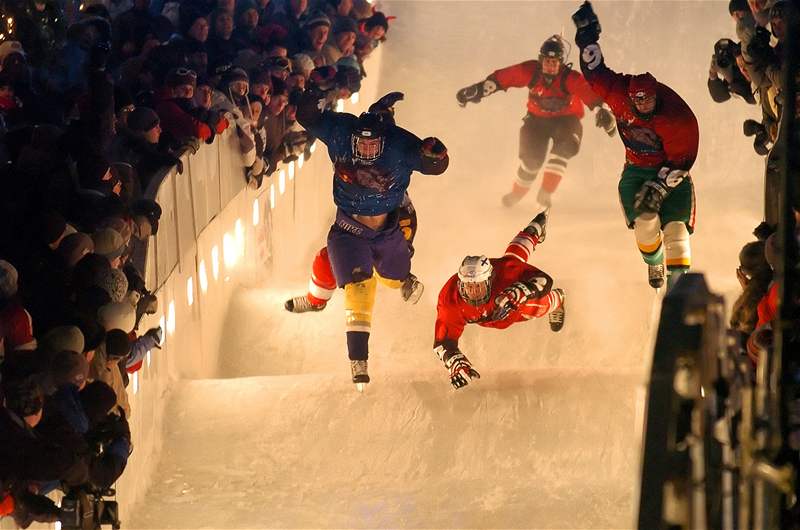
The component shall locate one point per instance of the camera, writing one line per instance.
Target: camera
(83, 509)
(723, 53)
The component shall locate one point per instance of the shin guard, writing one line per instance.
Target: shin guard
(359, 299)
(322, 284)
(678, 250)
(647, 229)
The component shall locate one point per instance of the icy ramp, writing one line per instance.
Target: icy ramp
(309, 452)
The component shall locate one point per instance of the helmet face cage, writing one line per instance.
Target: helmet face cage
(367, 139)
(552, 48)
(475, 280)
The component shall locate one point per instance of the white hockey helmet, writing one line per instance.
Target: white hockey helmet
(475, 280)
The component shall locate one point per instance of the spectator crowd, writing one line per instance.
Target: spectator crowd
(98, 100)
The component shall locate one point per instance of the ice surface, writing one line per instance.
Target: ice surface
(547, 438)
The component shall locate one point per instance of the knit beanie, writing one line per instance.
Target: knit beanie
(108, 243)
(114, 282)
(69, 338)
(8, 280)
(142, 119)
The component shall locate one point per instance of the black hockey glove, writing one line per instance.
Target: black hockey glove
(474, 93)
(587, 24)
(756, 129)
(386, 103)
(653, 192)
(432, 147)
(605, 120)
(461, 370)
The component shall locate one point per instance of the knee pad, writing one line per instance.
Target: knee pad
(359, 299)
(567, 147)
(647, 229)
(676, 240)
(322, 283)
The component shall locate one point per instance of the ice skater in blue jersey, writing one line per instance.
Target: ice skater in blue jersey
(372, 161)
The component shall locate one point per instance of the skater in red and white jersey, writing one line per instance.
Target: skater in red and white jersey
(495, 293)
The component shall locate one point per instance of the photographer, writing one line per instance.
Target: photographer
(724, 76)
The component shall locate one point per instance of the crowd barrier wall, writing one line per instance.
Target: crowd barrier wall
(214, 231)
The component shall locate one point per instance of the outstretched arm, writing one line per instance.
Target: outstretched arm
(600, 77)
(518, 75)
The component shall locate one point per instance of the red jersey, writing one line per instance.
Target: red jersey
(668, 138)
(453, 313)
(565, 95)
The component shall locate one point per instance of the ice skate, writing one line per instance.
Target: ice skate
(412, 289)
(556, 316)
(655, 275)
(360, 375)
(510, 199)
(301, 304)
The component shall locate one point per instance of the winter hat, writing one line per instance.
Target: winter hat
(74, 247)
(87, 269)
(119, 224)
(69, 367)
(52, 226)
(314, 19)
(93, 334)
(345, 25)
(69, 338)
(8, 280)
(302, 63)
(24, 398)
(97, 399)
(260, 77)
(277, 62)
(181, 76)
(90, 299)
(377, 19)
(117, 315)
(114, 282)
(108, 243)
(9, 47)
(738, 5)
(247, 59)
(118, 344)
(233, 75)
(142, 119)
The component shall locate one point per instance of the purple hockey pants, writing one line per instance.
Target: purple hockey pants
(355, 249)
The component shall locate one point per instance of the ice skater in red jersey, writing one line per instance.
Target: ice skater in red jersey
(661, 137)
(556, 97)
(494, 293)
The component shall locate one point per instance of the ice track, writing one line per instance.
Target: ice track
(548, 437)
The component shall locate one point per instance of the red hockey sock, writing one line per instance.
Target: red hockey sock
(550, 181)
(322, 283)
(518, 190)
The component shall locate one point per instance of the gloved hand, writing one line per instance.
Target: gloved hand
(587, 25)
(155, 334)
(192, 144)
(510, 299)
(763, 231)
(461, 370)
(653, 192)
(386, 103)
(474, 93)
(432, 147)
(756, 129)
(605, 120)
(323, 78)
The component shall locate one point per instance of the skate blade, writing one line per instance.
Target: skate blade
(360, 387)
(416, 295)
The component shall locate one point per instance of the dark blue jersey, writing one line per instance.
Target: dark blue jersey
(375, 188)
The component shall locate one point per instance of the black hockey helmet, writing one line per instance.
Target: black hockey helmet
(368, 137)
(553, 47)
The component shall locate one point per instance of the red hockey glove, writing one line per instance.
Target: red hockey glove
(461, 370)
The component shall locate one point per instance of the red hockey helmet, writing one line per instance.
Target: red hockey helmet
(642, 86)
(642, 89)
